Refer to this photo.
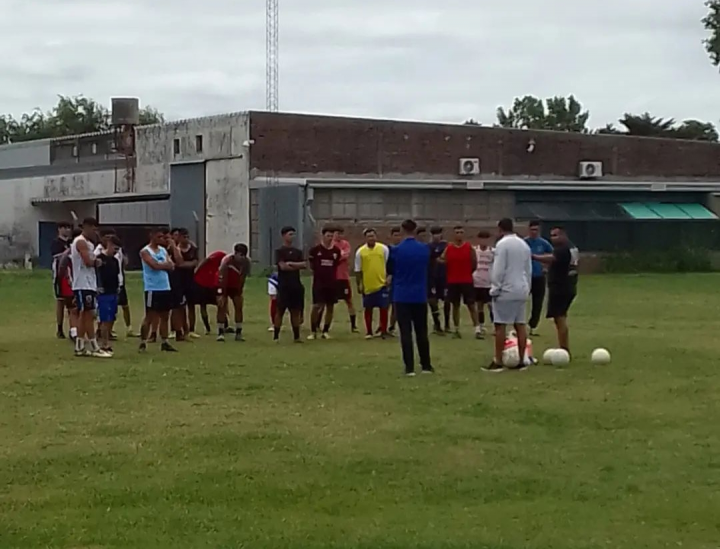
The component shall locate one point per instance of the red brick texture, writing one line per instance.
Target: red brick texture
(305, 144)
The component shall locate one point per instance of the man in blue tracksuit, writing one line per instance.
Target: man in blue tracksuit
(409, 263)
(538, 246)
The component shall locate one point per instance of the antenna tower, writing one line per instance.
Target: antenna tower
(272, 51)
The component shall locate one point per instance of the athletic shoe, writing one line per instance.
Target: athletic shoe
(143, 347)
(298, 341)
(172, 336)
(312, 337)
(81, 353)
(479, 334)
(431, 370)
(100, 354)
(369, 336)
(166, 347)
(113, 336)
(325, 335)
(229, 330)
(193, 335)
(409, 374)
(354, 331)
(519, 368)
(438, 331)
(271, 329)
(239, 337)
(60, 335)
(534, 332)
(108, 350)
(493, 368)
(130, 333)
(220, 337)
(456, 335)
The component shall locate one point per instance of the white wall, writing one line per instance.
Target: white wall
(24, 155)
(227, 204)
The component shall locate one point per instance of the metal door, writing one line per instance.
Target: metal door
(47, 231)
(187, 200)
(278, 206)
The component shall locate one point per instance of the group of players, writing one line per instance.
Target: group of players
(89, 275)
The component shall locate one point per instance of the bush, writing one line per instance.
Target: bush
(686, 260)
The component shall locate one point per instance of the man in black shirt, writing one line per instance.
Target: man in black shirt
(108, 277)
(437, 280)
(185, 272)
(291, 292)
(562, 282)
(57, 248)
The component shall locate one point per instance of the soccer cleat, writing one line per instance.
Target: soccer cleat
(100, 354)
(409, 374)
(354, 331)
(369, 336)
(143, 347)
(519, 368)
(108, 350)
(193, 335)
(113, 336)
(60, 335)
(271, 329)
(166, 347)
(220, 337)
(130, 333)
(494, 368)
(534, 332)
(430, 370)
(229, 330)
(325, 335)
(479, 334)
(312, 337)
(172, 336)
(80, 353)
(239, 337)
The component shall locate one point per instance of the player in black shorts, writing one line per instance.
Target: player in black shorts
(437, 286)
(291, 292)
(562, 282)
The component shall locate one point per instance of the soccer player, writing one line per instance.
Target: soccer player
(63, 265)
(562, 282)
(234, 270)
(272, 294)
(538, 246)
(122, 294)
(422, 234)
(291, 292)
(84, 285)
(324, 259)
(395, 239)
(437, 283)
(343, 276)
(511, 278)
(58, 246)
(481, 279)
(178, 310)
(460, 262)
(185, 273)
(205, 292)
(156, 265)
(371, 273)
(410, 262)
(109, 284)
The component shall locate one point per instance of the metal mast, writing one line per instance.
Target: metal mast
(271, 55)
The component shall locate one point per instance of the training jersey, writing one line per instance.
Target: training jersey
(288, 280)
(273, 285)
(563, 272)
(155, 280)
(538, 246)
(108, 274)
(437, 269)
(410, 260)
(459, 264)
(372, 263)
(119, 255)
(343, 268)
(324, 262)
(208, 273)
(481, 275)
(84, 277)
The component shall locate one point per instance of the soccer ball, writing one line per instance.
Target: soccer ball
(600, 357)
(560, 357)
(511, 357)
(548, 356)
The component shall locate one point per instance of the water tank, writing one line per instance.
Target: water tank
(125, 111)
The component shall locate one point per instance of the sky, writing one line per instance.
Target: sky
(432, 60)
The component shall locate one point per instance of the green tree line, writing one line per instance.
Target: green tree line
(70, 116)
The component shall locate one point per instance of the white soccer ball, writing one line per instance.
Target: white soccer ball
(560, 357)
(511, 357)
(600, 357)
(547, 357)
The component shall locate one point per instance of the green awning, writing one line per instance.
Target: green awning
(638, 210)
(666, 210)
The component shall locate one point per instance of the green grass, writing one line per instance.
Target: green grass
(257, 445)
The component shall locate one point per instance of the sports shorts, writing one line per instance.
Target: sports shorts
(559, 303)
(344, 290)
(122, 297)
(482, 295)
(85, 300)
(437, 288)
(457, 292)
(291, 299)
(159, 301)
(107, 307)
(508, 312)
(377, 300)
(324, 295)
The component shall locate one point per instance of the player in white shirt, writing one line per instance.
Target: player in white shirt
(485, 254)
(84, 286)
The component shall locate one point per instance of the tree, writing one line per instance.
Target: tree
(472, 122)
(696, 130)
(647, 125)
(71, 116)
(555, 113)
(712, 25)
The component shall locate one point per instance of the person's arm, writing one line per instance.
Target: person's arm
(497, 274)
(528, 272)
(311, 259)
(345, 252)
(119, 274)
(222, 273)
(442, 258)
(358, 272)
(150, 261)
(473, 258)
(190, 263)
(88, 259)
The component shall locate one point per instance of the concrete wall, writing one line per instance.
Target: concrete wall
(148, 212)
(304, 144)
(25, 155)
(227, 203)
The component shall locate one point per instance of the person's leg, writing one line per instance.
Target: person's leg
(329, 315)
(273, 310)
(191, 316)
(499, 343)
(351, 309)
(238, 307)
(295, 321)
(60, 317)
(420, 326)
(563, 333)
(404, 320)
(315, 313)
(368, 314)
(480, 307)
(127, 317)
(205, 318)
(435, 311)
(521, 330)
(72, 318)
(221, 317)
(164, 330)
(281, 308)
(393, 318)
(446, 314)
(537, 293)
(456, 316)
(384, 320)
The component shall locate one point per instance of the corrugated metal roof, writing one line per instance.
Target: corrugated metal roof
(105, 198)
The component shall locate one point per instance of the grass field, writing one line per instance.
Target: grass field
(327, 445)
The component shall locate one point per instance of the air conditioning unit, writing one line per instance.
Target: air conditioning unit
(469, 166)
(590, 170)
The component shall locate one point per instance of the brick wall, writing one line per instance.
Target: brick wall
(305, 144)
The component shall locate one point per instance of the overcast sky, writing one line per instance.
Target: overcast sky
(444, 60)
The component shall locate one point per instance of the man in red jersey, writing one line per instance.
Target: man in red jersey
(324, 260)
(343, 275)
(234, 270)
(460, 261)
(207, 282)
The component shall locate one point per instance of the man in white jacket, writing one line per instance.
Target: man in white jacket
(511, 279)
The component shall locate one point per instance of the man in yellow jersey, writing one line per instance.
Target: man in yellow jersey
(371, 273)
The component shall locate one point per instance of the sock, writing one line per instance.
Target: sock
(313, 327)
(326, 328)
(73, 332)
(481, 317)
(353, 322)
(226, 324)
(221, 330)
(273, 310)
(60, 328)
(368, 321)
(79, 344)
(206, 322)
(296, 332)
(383, 320)
(238, 327)
(276, 332)
(94, 344)
(164, 341)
